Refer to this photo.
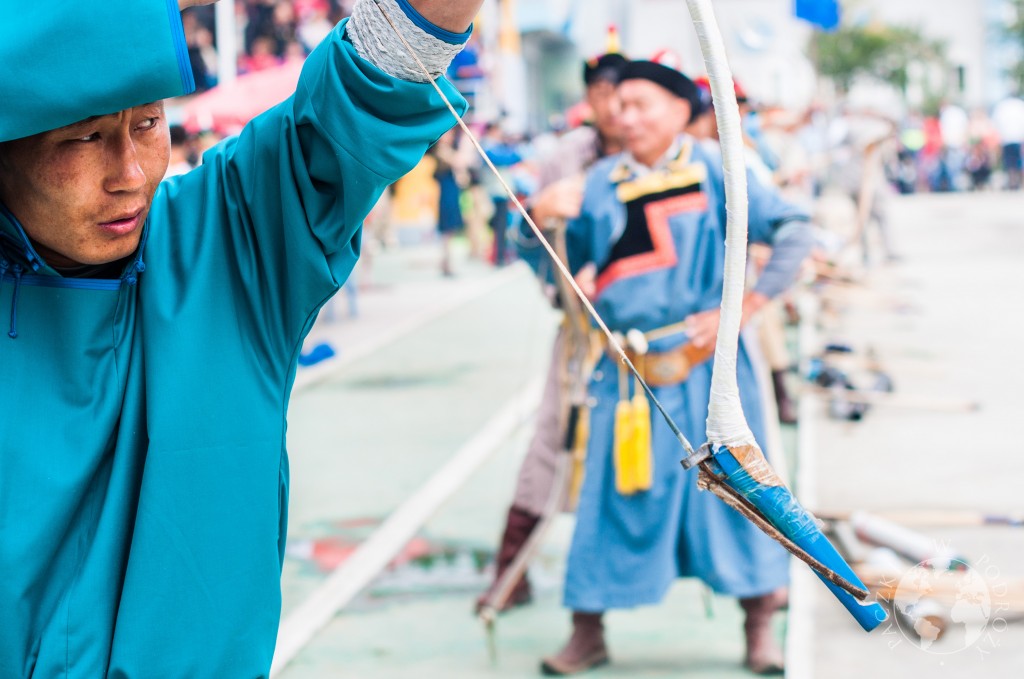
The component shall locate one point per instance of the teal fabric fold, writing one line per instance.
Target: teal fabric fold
(66, 61)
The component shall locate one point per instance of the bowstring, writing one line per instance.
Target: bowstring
(563, 270)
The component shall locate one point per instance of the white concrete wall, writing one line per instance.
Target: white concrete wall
(961, 23)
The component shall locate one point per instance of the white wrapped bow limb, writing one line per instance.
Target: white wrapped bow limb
(726, 425)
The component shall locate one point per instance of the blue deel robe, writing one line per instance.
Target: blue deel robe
(627, 550)
(143, 473)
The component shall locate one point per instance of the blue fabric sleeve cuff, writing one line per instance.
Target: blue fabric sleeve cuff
(188, 81)
(431, 29)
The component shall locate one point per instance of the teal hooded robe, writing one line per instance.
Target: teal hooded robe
(143, 473)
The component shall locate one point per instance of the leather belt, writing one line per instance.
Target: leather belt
(663, 368)
(668, 368)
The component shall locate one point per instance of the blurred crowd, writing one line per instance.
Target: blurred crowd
(860, 154)
(270, 33)
(806, 153)
(957, 150)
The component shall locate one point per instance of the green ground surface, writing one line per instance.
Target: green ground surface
(366, 439)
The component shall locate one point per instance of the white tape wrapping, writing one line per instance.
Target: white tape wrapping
(726, 424)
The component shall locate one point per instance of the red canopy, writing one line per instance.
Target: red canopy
(227, 108)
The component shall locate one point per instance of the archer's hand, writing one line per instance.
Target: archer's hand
(702, 327)
(586, 278)
(185, 4)
(559, 201)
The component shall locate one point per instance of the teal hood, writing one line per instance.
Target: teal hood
(66, 61)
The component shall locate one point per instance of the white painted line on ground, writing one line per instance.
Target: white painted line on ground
(803, 582)
(457, 296)
(811, 406)
(803, 587)
(299, 628)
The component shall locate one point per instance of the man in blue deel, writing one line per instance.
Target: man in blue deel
(651, 230)
(151, 331)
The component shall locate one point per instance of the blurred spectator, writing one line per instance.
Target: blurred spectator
(201, 55)
(929, 155)
(262, 57)
(862, 141)
(203, 58)
(378, 229)
(206, 140)
(449, 212)
(179, 162)
(505, 156)
(285, 28)
(477, 206)
(953, 126)
(978, 165)
(982, 130)
(294, 51)
(314, 24)
(259, 21)
(904, 174)
(1008, 118)
(465, 71)
(787, 133)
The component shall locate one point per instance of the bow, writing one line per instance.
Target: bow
(731, 463)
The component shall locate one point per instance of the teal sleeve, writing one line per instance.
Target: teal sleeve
(65, 61)
(280, 207)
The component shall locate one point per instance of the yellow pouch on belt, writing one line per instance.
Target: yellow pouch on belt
(625, 481)
(632, 442)
(642, 441)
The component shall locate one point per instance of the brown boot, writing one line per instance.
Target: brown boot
(518, 527)
(764, 656)
(787, 409)
(585, 650)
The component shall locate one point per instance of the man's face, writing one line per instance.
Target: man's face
(651, 118)
(83, 192)
(604, 102)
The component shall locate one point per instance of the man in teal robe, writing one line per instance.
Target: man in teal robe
(151, 330)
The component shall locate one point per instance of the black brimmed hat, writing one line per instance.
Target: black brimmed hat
(606, 68)
(668, 77)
